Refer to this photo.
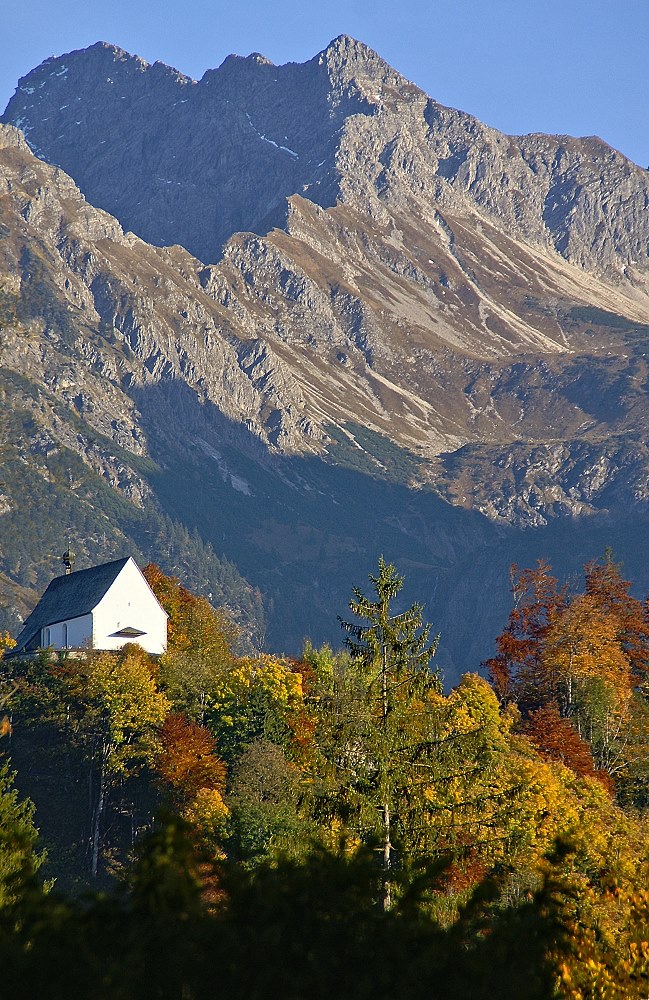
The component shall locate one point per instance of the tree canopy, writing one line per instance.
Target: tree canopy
(339, 822)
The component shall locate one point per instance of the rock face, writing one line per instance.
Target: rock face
(180, 161)
(317, 294)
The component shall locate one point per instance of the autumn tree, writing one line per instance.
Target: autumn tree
(187, 759)
(124, 711)
(199, 644)
(8, 685)
(517, 672)
(257, 698)
(110, 708)
(557, 739)
(188, 764)
(592, 678)
(586, 655)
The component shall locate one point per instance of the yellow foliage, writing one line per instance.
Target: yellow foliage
(270, 675)
(209, 814)
(584, 643)
(6, 642)
(125, 695)
(609, 958)
(492, 794)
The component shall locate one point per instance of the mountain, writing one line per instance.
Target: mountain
(180, 161)
(310, 315)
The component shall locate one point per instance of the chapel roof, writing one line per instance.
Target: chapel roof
(69, 596)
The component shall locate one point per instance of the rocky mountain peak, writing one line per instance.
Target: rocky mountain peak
(12, 136)
(192, 163)
(346, 59)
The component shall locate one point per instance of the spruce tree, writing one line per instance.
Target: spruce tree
(394, 653)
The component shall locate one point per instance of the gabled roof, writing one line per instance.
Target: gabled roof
(68, 596)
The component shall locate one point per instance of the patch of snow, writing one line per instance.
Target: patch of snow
(240, 485)
(27, 90)
(236, 482)
(272, 142)
(62, 72)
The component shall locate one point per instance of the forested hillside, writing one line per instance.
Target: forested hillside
(335, 823)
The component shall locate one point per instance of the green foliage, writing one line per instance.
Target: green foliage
(110, 710)
(266, 799)
(288, 929)
(259, 698)
(199, 645)
(384, 718)
(19, 859)
(372, 454)
(324, 667)
(388, 645)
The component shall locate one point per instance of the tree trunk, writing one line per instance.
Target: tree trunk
(387, 858)
(101, 799)
(387, 843)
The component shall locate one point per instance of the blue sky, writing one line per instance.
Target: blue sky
(565, 66)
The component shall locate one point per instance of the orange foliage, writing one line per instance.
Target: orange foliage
(555, 738)
(187, 760)
(192, 620)
(463, 875)
(580, 659)
(306, 672)
(605, 585)
(517, 672)
(585, 641)
(602, 629)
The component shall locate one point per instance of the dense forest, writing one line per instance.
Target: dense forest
(213, 823)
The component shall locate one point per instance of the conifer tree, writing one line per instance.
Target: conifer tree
(394, 652)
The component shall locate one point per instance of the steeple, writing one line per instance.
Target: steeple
(68, 558)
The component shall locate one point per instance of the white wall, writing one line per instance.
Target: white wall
(75, 633)
(129, 603)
